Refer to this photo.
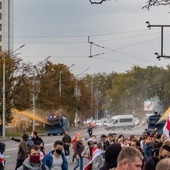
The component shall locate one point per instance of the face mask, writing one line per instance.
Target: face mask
(41, 148)
(34, 158)
(58, 151)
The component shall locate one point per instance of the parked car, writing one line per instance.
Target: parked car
(99, 123)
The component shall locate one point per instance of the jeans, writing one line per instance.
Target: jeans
(67, 150)
(79, 163)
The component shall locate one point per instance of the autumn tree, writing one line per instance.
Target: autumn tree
(16, 84)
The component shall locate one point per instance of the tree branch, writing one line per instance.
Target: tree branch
(94, 2)
(151, 3)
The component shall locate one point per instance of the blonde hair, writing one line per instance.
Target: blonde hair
(163, 164)
(130, 153)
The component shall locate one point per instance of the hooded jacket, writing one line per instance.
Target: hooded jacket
(48, 161)
(27, 164)
(111, 155)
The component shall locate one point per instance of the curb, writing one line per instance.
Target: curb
(42, 134)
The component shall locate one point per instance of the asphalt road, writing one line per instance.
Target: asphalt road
(12, 146)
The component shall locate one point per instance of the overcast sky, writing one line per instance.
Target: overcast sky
(60, 29)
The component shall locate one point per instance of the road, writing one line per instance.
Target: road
(12, 146)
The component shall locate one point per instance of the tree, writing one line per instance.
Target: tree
(16, 92)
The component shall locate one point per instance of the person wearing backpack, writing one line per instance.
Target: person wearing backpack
(33, 161)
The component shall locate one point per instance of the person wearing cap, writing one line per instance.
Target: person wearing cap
(22, 150)
(88, 150)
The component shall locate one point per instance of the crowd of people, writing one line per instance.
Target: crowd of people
(107, 152)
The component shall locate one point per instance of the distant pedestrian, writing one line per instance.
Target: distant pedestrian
(35, 138)
(56, 160)
(67, 142)
(33, 161)
(90, 129)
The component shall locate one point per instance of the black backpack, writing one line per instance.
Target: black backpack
(42, 167)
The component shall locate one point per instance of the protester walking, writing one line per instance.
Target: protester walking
(56, 160)
(97, 160)
(67, 142)
(33, 161)
(78, 149)
(22, 150)
(35, 138)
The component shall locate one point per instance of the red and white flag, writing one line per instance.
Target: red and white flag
(166, 128)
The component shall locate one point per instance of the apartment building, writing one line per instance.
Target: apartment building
(6, 25)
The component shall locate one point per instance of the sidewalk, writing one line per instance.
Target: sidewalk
(41, 134)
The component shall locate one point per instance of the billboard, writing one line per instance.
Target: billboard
(148, 105)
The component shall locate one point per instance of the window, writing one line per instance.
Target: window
(0, 27)
(0, 38)
(116, 121)
(0, 16)
(126, 120)
(0, 5)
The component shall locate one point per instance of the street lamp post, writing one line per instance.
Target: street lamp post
(33, 95)
(4, 93)
(77, 93)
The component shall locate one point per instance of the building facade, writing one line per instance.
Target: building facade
(6, 25)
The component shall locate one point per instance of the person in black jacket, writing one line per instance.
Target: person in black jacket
(111, 155)
(67, 142)
(35, 138)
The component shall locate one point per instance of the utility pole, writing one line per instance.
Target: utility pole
(162, 29)
(33, 94)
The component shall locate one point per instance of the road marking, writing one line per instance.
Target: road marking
(7, 156)
(11, 149)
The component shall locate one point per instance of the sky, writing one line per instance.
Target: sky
(63, 29)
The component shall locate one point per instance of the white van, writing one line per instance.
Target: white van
(120, 121)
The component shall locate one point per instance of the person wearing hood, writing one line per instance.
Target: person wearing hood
(22, 150)
(2, 157)
(33, 161)
(111, 155)
(56, 158)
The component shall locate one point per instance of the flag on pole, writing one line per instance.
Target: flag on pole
(166, 128)
(165, 115)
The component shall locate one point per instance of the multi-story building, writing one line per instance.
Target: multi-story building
(6, 25)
